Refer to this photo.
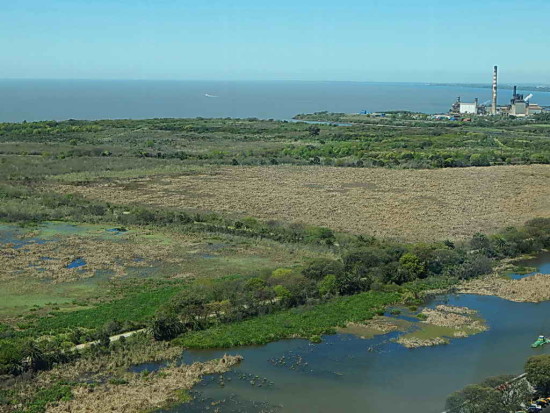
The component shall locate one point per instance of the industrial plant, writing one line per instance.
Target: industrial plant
(519, 105)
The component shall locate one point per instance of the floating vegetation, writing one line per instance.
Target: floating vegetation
(377, 326)
(438, 325)
(291, 361)
(231, 403)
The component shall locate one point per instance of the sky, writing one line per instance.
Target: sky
(346, 40)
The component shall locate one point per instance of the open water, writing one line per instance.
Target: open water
(349, 374)
(34, 100)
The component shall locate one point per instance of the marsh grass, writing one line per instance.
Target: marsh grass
(404, 205)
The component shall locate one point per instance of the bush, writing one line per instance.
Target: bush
(282, 294)
(320, 268)
(166, 327)
(410, 268)
(538, 372)
(328, 285)
(474, 266)
(475, 399)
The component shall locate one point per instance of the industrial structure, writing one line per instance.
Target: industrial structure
(467, 108)
(494, 100)
(519, 106)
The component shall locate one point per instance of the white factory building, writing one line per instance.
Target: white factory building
(468, 108)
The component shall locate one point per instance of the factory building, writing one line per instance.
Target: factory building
(519, 106)
(467, 108)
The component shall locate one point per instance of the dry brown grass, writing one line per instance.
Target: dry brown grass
(408, 205)
(534, 289)
(143, 393)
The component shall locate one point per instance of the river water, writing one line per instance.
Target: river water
(34, 100)
(346, 373)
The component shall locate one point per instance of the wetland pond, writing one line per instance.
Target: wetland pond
(347, 373)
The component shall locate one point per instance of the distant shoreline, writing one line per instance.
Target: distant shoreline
(530, 88)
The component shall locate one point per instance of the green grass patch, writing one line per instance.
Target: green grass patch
(41, 399)
(137, 307)
(430, 331)
(303, 322)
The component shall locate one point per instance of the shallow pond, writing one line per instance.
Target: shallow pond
(346, 373)
(541, 263)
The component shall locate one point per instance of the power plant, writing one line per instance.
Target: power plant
(518, 107)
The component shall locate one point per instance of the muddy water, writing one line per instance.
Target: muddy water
(346, 373)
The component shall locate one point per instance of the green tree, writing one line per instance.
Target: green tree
(538, 372)
(321, 267)
(479, 159)
(282, 293)
(410, 267)
(314, 130)
(104, 339)
(166, 327)
(475, 398)
(349, 283)
(480, 242)
(328, 285)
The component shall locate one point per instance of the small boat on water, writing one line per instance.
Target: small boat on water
(541, 341)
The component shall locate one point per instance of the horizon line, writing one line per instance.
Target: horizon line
(448, 83)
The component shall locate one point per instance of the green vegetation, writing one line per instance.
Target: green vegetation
(57, 392)
(414, 140)
(504, 393)
(134, 308)
(538, 372)
(168, 145)
(484, 397)
(306, 322)
(37, 402)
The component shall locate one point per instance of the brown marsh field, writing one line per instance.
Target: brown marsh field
(407, 205)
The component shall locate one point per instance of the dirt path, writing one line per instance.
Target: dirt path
(112, 339)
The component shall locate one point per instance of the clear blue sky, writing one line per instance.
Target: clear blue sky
(360, 40)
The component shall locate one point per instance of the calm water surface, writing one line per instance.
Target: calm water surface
(33, 100)
(345, 373)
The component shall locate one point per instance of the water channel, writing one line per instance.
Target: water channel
(347, 373)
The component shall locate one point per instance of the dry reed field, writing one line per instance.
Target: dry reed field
(408, 205)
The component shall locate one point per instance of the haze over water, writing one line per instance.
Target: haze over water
(34, 100)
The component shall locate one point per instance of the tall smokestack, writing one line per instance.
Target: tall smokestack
(494, 105)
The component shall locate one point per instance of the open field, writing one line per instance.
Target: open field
(408, 205)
